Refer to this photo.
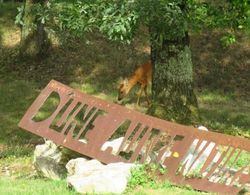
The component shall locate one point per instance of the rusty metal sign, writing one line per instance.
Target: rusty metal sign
(207, 161)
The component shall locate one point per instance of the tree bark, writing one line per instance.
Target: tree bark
(34, 39)
(172, 80)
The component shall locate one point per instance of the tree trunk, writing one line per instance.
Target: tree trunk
(34, 39)
(172, 82)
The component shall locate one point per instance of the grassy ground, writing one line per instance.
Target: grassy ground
(33, 186)
(94, 66)
(43, 186)
(169, 190)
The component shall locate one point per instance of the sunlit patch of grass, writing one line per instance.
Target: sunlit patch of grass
(11, 38)
(171, 190)
(10, 33)
(85, 88)
(15, 98)
(243, 160)
(90, 89)
(215, 97)
(16, 167)
(49, 106)
(225, 113)
(33, 186)
(15, 151)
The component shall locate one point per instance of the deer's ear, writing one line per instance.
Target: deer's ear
(120, 80)
(125, 81)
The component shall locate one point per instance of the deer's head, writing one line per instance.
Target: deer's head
(123, 89)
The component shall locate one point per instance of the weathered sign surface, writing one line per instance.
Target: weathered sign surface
(205, 160)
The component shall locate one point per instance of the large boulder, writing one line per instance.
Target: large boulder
(82, 166)
(47, 160)
(92, 176)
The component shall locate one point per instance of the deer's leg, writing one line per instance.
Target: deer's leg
(146, 94)
(139, 95)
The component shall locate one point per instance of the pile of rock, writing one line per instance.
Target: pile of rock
(83, 174)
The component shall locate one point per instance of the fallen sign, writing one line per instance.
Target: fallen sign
(84, 124)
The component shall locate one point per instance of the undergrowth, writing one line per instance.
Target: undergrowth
(144, 177)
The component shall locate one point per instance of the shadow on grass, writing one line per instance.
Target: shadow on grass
(225, 113)
(15, 98)
(219, 68)
(92, 60)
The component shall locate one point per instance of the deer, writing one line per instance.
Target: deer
(141, 76)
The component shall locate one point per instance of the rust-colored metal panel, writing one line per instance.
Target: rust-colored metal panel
(205, 160)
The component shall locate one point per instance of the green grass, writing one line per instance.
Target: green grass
(225, 113)
(170, 190)
(43, 186)
(16, 96)
(33, 186)
(143, 181)
(94, 66)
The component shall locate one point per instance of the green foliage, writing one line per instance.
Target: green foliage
(118, 20)
(77, 17)
(34, 186)
(242, 161)
(139, 176)
(144, 175)
(19, 16)
(166, 19)
(228, 39)
(115, 19)
(220, 14)
(194, 174)
(42, 11)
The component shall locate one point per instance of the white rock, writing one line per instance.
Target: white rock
(82, 166)
(47, 159)
(92, 176)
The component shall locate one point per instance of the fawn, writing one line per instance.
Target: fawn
(142, 76)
